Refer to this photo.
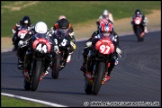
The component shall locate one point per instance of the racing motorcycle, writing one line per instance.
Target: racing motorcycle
(35, 60)
(20, 34)
(62, 41)
(98, 62)
(138, 28)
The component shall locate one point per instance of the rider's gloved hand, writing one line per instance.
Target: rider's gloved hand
(88, 44)
(73, 45)
(56, 49)
(22, 43)
(13, 31)
(119, 51)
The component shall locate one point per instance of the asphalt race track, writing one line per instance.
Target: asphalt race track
(137, 77)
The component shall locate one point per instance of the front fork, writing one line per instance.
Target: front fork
(91, 67)
(107, 65)
(28, 64)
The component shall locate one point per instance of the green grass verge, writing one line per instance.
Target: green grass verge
(10, 102)
(76, 11)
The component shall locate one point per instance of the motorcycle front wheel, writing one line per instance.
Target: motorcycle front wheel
(99, 75)
(36, 75)
(56, 67)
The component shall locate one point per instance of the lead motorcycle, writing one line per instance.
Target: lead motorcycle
(138, 28)
(35, 60)
(98, 62)
(62, 40)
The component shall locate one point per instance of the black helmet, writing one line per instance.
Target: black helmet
(63, 24)
(137, 12)
(26, 20)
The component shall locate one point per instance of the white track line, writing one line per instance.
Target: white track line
(33, 100)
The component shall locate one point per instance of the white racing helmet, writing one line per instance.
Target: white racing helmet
(105, 13)
(61, 17)
(41, 27)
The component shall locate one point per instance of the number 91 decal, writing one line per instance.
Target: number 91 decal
(22, 33)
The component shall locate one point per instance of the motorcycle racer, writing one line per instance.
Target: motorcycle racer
(64, 24)
(40, 28)
(106, 28)
(106, 15)
(138, 13)
(24, 22)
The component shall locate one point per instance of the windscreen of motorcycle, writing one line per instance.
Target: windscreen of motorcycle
(42, 43)
(62, 37)
(23, 30)
(40, 35)
(137, 20)
(63, 32)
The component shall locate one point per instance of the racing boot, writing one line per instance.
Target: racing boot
(26, 74)
(47, 67)
(106, 78)
(89, 77)
(69, 57)
(45, 73)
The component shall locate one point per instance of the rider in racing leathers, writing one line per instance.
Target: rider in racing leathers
(107, 15)
(40, 29)
(24, 22)
(103, 30)
(138, 13)
(63, 23)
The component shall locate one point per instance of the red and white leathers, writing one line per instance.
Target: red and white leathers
(106, 14)
(144, 20)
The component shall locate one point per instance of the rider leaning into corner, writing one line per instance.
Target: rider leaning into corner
(106, 15)
(107, 32)
(104, 18)
(138, 13)
(26, 21)
(63, 23)
(40, 28)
